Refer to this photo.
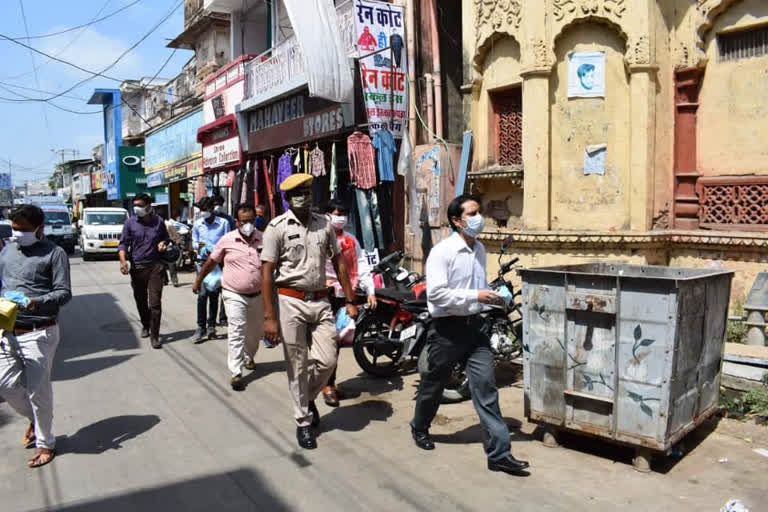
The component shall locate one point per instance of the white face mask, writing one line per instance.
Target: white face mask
(206, 215)
(217, 209)
(25, 238)
(140, 212)
(247, 229)
(338, 221)
(475, 225)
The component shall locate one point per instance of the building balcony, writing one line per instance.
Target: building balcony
(282, 69)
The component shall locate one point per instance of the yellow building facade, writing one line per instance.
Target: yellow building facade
(664, 162)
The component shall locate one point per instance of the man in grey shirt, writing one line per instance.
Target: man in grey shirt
(39, 269)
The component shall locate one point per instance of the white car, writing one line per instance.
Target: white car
(100, 230)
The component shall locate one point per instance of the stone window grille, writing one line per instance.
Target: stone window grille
(744, 44)
(507, 119)
(733, 202)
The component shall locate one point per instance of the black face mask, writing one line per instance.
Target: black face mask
(260, 223)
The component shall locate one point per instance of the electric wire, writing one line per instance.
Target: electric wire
(34, 70)
(84, 25)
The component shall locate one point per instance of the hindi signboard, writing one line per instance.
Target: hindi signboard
(380, 36)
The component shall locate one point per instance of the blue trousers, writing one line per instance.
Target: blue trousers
(370, 219)
(452, 340)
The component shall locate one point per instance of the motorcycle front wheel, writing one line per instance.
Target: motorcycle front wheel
(375, 351)
(457, 389)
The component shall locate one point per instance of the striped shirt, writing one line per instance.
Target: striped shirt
(362, 168)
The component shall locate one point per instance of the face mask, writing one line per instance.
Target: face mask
(302, 202)
(25, 238)
(338, 221)
(140, 212)
(246, 229)
(206, 215)
(475, 225)
(217, 209)
(260, 223)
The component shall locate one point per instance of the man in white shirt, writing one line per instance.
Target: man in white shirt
(457, 291)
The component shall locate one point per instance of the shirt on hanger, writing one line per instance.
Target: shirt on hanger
(362, 169)
(317, 162)
(284, 170)
(384, 142)
(334, 177)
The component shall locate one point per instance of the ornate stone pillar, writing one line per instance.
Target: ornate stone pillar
(642, 162)
(686, 205)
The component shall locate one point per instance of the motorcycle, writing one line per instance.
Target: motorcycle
(186, 257)
(503, 325)
(401, 314)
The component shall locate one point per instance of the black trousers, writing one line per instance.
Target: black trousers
(454, 340)
(147, 282)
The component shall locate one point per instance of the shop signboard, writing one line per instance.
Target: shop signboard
(96, 180)
(155, 179)
(221, 153)
(131, 170)
(295, 119)
(174, 145)
(224, 90)
(5, 181)
(380, 36)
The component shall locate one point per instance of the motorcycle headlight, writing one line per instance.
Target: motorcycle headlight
(423, 317)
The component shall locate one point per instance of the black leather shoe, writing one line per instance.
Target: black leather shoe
(422, 439)
(144, 332)
(315, 414)
(509, 465)
(306, 438)
(155, 340)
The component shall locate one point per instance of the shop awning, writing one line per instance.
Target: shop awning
(228, 120)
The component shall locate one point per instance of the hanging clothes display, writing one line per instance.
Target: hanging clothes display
(317, 162)
(334, 177)
(362, 171)
(384, 143)
(284, 170)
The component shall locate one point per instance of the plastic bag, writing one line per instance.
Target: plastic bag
(345, 327)
(212, 281)
(18, 297)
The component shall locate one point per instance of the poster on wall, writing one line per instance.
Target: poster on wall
(380, 37)
(586, 75)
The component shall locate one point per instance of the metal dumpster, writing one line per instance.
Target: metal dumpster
(623, 352)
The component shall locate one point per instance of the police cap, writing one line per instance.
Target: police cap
(295, 181)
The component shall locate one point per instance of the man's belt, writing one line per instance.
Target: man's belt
(302, 294)
(37, 326)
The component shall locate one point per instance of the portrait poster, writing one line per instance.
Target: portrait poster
(586, 75)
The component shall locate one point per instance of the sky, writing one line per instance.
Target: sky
(30, 132)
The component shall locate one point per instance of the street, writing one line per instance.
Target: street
(144, 429)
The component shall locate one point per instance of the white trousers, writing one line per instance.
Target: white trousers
(245, 328)
(33, 396)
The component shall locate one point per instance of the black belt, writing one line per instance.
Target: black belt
(27, 328)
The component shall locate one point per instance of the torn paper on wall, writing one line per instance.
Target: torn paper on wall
(594, 159)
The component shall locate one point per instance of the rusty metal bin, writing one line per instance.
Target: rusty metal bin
(627, 353)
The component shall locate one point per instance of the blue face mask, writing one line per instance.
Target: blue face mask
(475, 225)
(260, 223)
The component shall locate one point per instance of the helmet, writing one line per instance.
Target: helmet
(171, 253)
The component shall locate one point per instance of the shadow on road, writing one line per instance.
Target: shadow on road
(239, 490)
(108, 434)
(364, 383)
(91, 324)
(354, 418)
(173, 337)
(474, 434)
(264, 369)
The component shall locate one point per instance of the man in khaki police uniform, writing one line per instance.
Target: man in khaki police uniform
(296, 247)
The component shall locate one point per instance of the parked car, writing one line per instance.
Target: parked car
(100, 230)
(58, 226)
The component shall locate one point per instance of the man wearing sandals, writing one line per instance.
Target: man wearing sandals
(39, 269)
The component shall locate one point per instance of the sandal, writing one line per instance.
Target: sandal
(28, 441)
(42, 457)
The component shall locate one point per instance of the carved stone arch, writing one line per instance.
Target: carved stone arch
(707, 12)
(641, 43)
(495, 19)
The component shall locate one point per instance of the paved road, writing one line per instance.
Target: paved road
(141, 429)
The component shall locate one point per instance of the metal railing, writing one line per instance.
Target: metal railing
(285, 62)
